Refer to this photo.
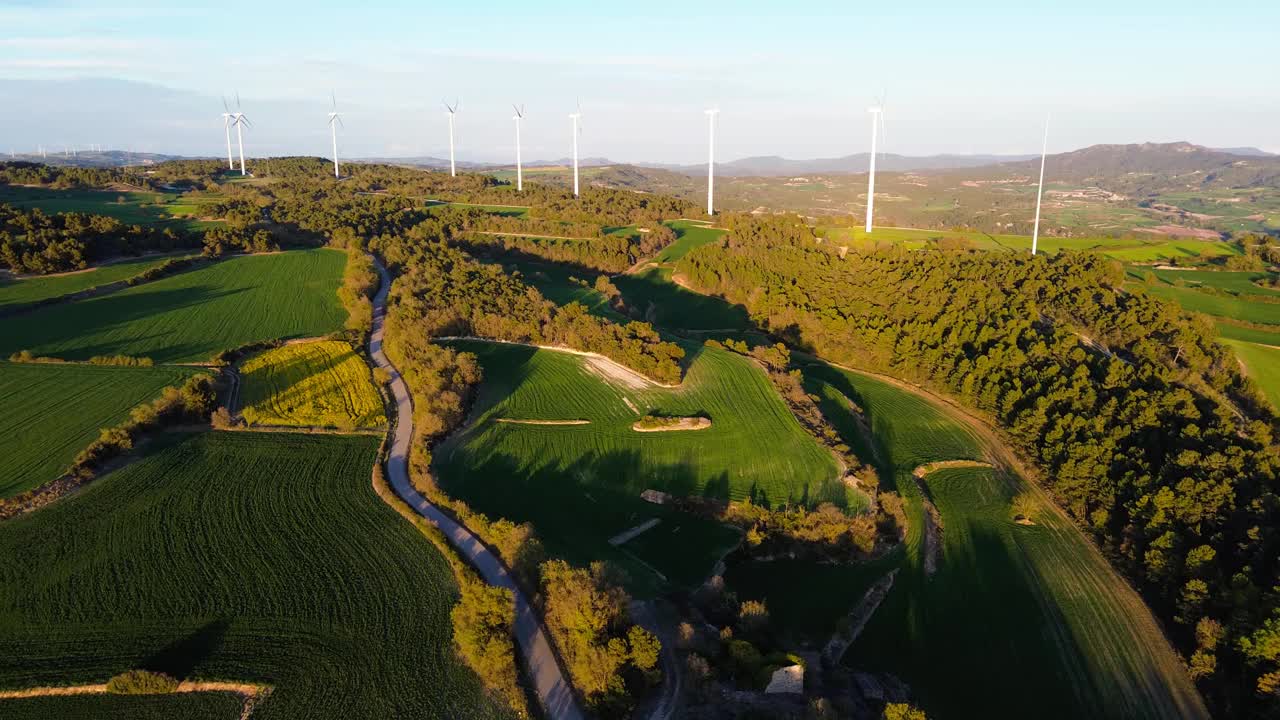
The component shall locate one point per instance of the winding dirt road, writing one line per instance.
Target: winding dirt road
(549, 682)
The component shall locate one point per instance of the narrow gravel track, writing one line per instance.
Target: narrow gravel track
(549, 682)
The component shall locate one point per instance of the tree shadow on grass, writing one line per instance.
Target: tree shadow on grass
(181, 657)
(59, 326)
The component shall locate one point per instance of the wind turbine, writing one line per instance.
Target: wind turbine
(1044, 151)
(453, 110)
(239, 120)
(877, 117)
(519, 169)
(575, 116)
(335, 119)
(226, 130)
(711, 160)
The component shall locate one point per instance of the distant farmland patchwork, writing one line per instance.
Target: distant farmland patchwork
(321, 383)
(193, 315)
(49, 413)
(250, 557)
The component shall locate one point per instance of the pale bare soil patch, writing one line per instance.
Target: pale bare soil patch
(689, 423)
(602, 366)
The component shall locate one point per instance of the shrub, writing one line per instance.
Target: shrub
(221, 418)
(902, 711)
(141, 682)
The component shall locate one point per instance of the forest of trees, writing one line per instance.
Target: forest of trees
(1144, 427)
(449, 293)
(32, 241)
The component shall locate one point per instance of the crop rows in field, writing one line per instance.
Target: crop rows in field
(321, 384)
(581, 484)
(192, 315)
(252, 557)
(177, 706)
(1016, 616)
(49, 413)
(35, 289)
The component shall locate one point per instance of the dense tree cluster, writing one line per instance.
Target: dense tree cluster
(445, 292)
(1145, 429)
(610, 659)
(32, 241)
(607, 253)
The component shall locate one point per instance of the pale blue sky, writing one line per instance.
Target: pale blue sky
(791, 79)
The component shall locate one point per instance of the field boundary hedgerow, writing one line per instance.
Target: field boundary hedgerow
(251, 693)
(180, 261)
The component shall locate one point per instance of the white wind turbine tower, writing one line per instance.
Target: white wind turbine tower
(453, 110)
(239, 120)
(226, 130)
(519, 169)
(711, 160)
(335, 119)
(1044, 152)
(576, 117)
(877, 118)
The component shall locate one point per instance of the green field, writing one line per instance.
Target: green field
(689, 237)
(49, 413)
(237, 556)
(581, 484)
(178, 706)
(322, 383)
(131, 207)
(1259, 335)
(557, 284)
(1221, 305)
(1016, 617)
(1261, 363)
(1243, 283)
(191, 316)
(35, 289)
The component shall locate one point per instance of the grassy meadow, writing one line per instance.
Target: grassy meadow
(49, 413)
(252, 557)
(23, 291)
(690, 235)
(312, 384)
(193, 315)
(581, 484)
(1262, 363)
(1013, 611)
